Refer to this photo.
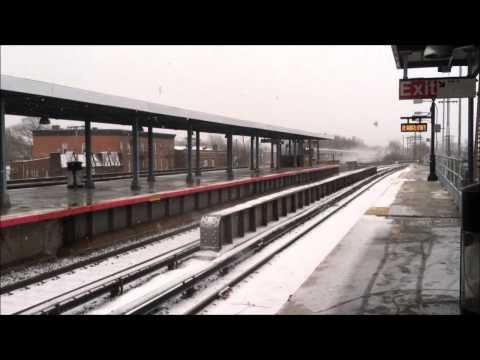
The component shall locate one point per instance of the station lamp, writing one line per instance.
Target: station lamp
(438, 51)
(44, 120)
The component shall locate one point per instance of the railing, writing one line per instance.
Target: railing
(451, 173)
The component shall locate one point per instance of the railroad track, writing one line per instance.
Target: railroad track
(92, 260)
(220, 267)
(113, 284)
(62, 180)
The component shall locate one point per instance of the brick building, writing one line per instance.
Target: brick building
(111, 150)
(209, 157)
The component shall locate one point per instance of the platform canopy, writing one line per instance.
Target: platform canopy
(28, 97)
(457, 55)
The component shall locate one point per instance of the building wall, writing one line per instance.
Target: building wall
(208, 159)
(23, 169)
(47, 142)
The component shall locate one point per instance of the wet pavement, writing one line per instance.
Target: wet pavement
(59, 196)
(402, 258)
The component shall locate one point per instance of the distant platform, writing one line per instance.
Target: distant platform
(53, 202)
(398, 259)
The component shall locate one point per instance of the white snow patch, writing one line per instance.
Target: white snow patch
(269, 288)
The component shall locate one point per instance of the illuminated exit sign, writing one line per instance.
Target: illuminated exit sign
(440, 88)
(421, 127)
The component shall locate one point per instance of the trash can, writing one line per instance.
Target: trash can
(470, 251)
(74, 179)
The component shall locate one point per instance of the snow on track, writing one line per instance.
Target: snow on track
(25, 297)
(265, 291)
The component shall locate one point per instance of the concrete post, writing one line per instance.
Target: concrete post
(88, 156)
(229, 156)
(135, 156)
(257, 154)
(197, 153)
(252, 167)
(4, 198)
(189, 153)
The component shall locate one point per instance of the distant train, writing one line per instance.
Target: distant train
(359, 155)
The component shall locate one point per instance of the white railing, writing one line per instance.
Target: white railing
(451, 173)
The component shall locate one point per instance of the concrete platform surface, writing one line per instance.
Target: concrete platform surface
(59, 196)
(398, 259)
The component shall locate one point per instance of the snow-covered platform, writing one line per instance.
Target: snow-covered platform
(401, 257)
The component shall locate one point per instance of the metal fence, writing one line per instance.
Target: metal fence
(451, 173)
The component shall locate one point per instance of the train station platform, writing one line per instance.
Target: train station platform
(399, 258)
(43, 220)
(48, 198)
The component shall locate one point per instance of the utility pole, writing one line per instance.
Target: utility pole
(459, 140)
(446, 134)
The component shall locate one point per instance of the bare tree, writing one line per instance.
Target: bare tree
(19, 139)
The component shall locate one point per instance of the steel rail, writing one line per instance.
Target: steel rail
(64, 269)
(112, 283)
(212, 297)
(62, 180)
(152, 304)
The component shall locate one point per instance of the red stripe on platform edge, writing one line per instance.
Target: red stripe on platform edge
(108, 204)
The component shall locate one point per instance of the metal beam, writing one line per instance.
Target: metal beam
(151, 166)
(135, 157)
(89, 184)
(4, 198)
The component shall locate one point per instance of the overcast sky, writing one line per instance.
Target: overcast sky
(341, 90)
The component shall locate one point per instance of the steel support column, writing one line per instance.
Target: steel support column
(4, 198)
(295, 153)
(257, 154)
(252, 165)
(310, 152)
(470, 152)
(432, 176)
(229, 156)
(318, 151)
(189, 153)
(135, 156)
(272, 165)
(88, 155)
(197, 153)
(279, 154)
(151, 165)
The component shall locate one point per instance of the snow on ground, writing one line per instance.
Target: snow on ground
(265, 291)
(22, 298)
